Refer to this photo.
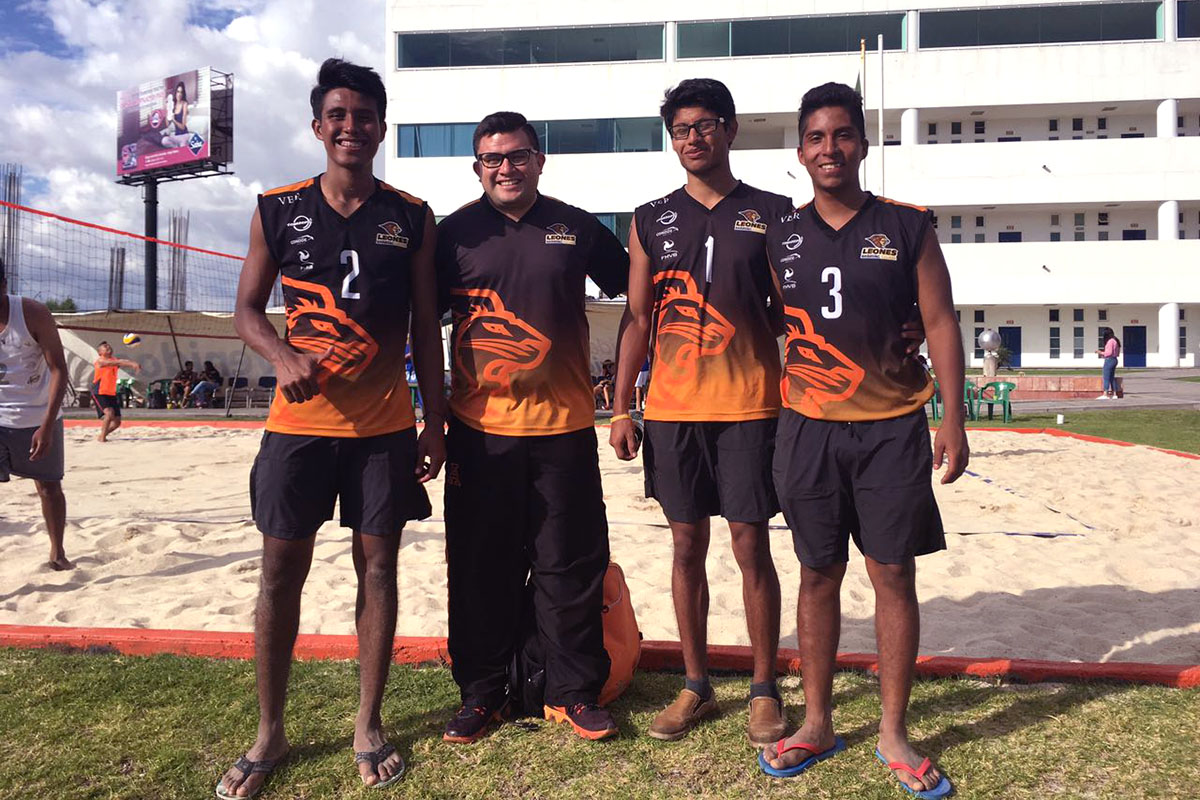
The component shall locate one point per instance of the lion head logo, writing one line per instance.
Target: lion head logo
(815, 372)
(750, 215)
(316, 324)
(559, 228)
(392, 228)
(688, 327)
(491, 343)
(879, 240)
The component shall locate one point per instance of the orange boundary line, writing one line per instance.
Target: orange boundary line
(171, 423)
(656, 655)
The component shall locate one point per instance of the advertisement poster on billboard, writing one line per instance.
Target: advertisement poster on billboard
(164, 123)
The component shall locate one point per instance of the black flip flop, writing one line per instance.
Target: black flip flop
(248, 768)
(377, 757)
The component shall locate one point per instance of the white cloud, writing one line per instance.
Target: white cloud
(61, 111)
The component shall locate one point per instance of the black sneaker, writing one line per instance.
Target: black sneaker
(589, 720)
(470, 723)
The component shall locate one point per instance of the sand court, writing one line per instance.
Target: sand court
(1058, 549)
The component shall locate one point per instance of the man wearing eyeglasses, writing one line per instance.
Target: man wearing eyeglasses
(700, 282)
(523, 495)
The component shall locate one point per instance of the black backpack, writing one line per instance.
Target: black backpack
(527, 670)
(156, 399)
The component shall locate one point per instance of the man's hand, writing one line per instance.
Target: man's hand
(40, 443)
(431, 450)
(913, 333)
(950, 444)
(624, 441)
(297, 372)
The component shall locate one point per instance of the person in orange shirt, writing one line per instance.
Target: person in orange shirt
(354, 257)
(104, 388)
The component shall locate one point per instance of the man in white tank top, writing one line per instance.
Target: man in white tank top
(33, 377)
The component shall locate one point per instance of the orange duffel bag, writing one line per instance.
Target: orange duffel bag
(622, 639)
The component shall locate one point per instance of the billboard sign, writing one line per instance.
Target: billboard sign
(166, 123)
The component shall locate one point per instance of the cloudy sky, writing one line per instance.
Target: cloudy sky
(63, 61)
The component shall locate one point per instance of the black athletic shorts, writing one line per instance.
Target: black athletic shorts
(869, 480)
(295, 480)
(103, 401)
(702, 469)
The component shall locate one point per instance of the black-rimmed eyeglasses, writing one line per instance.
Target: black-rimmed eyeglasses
(702, 126)
(518, 158)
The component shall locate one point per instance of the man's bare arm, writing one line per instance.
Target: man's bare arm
(296, 372)
(633, 342)
(945, 348)
(41, 326)
(427, 354)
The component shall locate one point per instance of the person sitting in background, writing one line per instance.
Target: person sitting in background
(603, 384)
(210, 381)
(181, 384)
(641, 385)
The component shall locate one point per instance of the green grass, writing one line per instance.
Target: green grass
(1048, 371)
(107, 726)
(1189, 379)
(1173, 429)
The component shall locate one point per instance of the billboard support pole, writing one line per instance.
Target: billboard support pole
(151, 243)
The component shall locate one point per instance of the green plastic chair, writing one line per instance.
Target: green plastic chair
(935, 401)
(125, 392)
(971, 399)
(999, 391)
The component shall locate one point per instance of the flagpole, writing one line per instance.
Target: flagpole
(862, 74)
(881, 142)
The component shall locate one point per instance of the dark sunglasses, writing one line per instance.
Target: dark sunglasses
(518, 158)
(703, 127)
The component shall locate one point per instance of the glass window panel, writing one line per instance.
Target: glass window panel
(649, 42)
(703, 39)
(820, 35)
(579, 136)
(1077, 315)
(1008, 26)
(423, 50)
(1054, 315)
(582, 44)
(758, 37)
(639, 135)
(476, 48)
(529, 47)
(869, 26)
(634, 43)
(979, 315)
(406, 141)
(1077, 348)
(451, 139)
(1123, 21)
(1189, 19)
(1070, 23)
(978, 349)
(949, 28)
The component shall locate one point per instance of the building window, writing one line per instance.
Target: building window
(1077, 124)
(530, 46)
(1102, 236)
(1047, 24)
(1053, 125)
(1079, 220)
(933, 219)
(956, 238)
(978, 349)
(759, 37)
(1077, 349)
(979, 315)
(1102, 315)
(1054, 315)
(955, 221)
(1079, 236)
(1102, 124)
(979, 222)
(1055, 342)
(1102, 218)
(955, 128)
(1055, 236)
(1077, 315)
(1182, 342)
(618, 223)
(979, 238)
(933, 129)
(629, 135)
(980, 126)
(1054, 220)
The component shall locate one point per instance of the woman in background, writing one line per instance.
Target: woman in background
(1110, 351)
(177, 118)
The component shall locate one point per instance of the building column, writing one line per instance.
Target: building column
(670, 30)
(1168, 220)
(1168, 115)
(1170, 20)
(1168, 335)
(912, 30)
(910, 126)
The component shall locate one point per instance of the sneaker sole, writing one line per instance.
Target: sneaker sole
(554, 715)
(472, 739)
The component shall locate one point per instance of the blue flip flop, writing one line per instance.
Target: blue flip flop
(943, 789)
(839, 744)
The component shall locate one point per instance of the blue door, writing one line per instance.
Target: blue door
(1011, 338)
(1133, 345)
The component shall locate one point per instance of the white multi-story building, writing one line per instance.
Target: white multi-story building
(1058, 144)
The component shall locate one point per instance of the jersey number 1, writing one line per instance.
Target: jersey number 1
(350, 257)
(832, 276)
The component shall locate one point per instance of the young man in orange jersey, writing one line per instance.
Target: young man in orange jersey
(104, 388)
(353, 255)
(853, 456)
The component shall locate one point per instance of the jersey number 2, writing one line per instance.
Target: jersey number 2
(350, 257)
(832, 276)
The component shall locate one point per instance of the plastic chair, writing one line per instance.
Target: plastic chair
(999, 391)
(264, 392)
(971, 400)
(935, 401)
(125, 392)
(234, 387)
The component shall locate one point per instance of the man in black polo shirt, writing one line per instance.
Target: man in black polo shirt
(523, 495)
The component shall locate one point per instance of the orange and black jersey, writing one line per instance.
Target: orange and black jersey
(714, 354)
(519, 347)
(846, 294)
(347, 286)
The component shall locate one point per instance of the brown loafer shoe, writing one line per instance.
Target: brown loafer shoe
(766, 721)
(674, 721)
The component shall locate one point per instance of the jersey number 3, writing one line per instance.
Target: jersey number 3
(350, 257)
(832, 276)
